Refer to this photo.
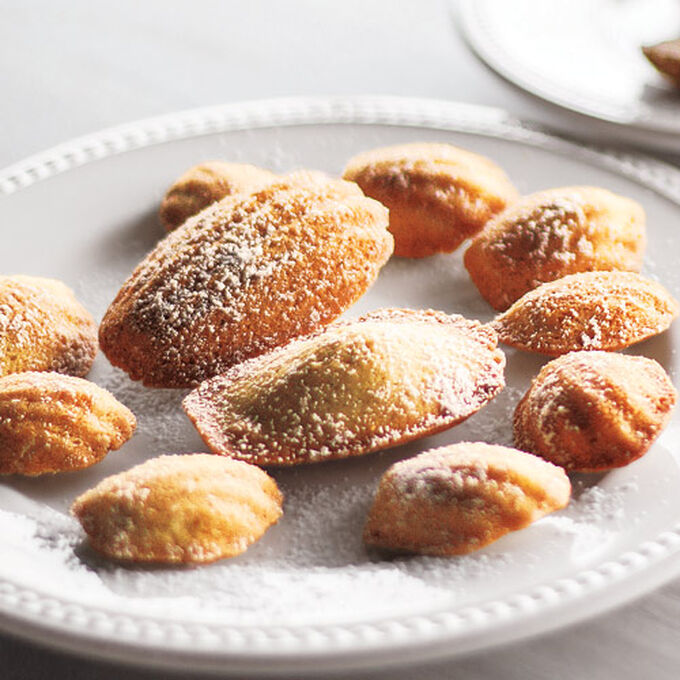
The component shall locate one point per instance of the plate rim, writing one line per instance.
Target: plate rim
(473, 21)
(150, 641)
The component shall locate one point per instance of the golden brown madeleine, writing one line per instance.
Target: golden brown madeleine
(204, 184)
(553, 233)
(53, 423)
(666, 58)
(44, 328)
(590, 310)
(190, 508)
(438, 195)
(359, 386)
(243, 276)
(459, 498)
(589, 411)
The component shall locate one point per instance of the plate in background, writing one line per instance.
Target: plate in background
(585, 55)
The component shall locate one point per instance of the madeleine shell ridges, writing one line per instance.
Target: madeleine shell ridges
(590, 411)
(44, 328)
(359, 386)
(438, 195)
(245, 275)
(552, 233)
(51, 422)
(456, 499)
(190, 508)
(587, 311)
(206, 183)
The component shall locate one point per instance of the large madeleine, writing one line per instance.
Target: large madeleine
(44, 328)
(438, 195)
(589, 411)
(459, 498)
(55, 423)
(245, 275)
(590, 310)
(553, 233)
(191, 508)
(358, 386)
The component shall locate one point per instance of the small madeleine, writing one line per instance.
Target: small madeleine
(457, 499)
(204, 184)
(553, 233)
(589, 411)
(360, 386)
(438, 195)
(666, 58)
(189, 508)
(590, 310)
(44, 328)
(54, 423)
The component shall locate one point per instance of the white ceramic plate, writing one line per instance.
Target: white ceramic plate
(308, 596)
(584, 55)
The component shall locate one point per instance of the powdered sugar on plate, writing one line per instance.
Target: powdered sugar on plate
(312, 567)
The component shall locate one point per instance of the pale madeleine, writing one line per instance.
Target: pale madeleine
(180, 509)
(389, 377)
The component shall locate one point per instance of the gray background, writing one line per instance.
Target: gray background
(70, 68)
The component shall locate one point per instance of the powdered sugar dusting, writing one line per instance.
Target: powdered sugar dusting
(388, 377)
(243, 276)
(44, 328)
(551, 234)
(589, 310)
(313, 568)
(158, 411)
(546, 232)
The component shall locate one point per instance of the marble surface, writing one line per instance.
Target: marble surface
(72, 68)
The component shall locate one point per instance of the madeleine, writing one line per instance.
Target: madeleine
(590, 310)
(44, 328)
(55, 423)
(359, 386)
(184, 509)
(245, 275)
(666, 58)
(592, 411)
(438, 195)
(457, 499)
(204, 184)
(553, 233)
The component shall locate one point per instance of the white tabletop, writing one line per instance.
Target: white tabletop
(73, 68)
